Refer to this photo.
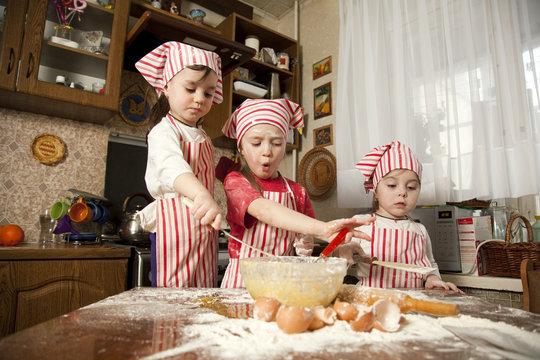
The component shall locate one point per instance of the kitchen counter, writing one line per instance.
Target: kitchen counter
(484, 282)
(29, 251)
(164, 323)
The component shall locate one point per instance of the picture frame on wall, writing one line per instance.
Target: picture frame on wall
(322, 101)
(323, 136)
(322, 67)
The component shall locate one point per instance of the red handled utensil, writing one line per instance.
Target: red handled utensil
(334, 244)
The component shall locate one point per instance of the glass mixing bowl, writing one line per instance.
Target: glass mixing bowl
(293, 280)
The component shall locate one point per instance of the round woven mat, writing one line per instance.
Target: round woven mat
(317, 173)
(47, 149)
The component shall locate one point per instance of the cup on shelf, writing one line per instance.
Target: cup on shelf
(98, 87)
(63, 31)
(105, 214)
(59, 209)
(80, 212)
(252, 41)
(96, 211)
(197, 15)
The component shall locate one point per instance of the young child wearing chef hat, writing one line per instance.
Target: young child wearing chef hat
(394, 174)
(181, 164)
(266, 210)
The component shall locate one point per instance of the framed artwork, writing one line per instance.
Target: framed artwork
(322, 67)
(323, 136)
(322, 100)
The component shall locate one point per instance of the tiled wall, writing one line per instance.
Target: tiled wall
(28, 187)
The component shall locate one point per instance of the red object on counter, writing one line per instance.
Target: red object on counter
(334, 243)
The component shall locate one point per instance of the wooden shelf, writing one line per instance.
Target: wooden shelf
(164, 26)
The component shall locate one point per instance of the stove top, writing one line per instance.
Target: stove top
(117, 240)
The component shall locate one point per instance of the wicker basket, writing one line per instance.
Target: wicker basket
(504, 258)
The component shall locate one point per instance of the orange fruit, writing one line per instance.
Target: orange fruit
(11, 235)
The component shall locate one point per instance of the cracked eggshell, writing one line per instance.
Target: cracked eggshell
(363, 322)
(326, 314)
(293, 319)
(265, 308)
(345, 311)
(387, 316)
(322, 316)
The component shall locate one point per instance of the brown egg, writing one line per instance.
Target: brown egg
(316, 324)
(266, 308)
(386, 315)
(363, 322)
(293, 319)
(345, 311)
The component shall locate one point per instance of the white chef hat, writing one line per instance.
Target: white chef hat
(282, 113)
(383, 159)
(160, 65)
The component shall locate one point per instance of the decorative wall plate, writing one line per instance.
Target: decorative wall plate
(317, 173)
(48, 149)
(134, 106)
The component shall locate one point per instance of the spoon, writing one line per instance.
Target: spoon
(189, 204)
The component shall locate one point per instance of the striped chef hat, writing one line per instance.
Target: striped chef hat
(160, 65)
(383, 159)
(279, 112)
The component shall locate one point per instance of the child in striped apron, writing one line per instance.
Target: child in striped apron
(181, 164)
(394, 174)
(266, 210)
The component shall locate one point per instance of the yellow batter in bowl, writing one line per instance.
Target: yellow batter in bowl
(293, 280)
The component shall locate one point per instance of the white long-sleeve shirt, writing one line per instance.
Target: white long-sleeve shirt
(165, 163)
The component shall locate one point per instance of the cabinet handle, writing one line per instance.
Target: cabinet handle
(30, 67)
(11, 62)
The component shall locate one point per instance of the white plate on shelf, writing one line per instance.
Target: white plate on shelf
(250, 89)
(65, 42)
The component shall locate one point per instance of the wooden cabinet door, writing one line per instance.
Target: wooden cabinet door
(33, 291)
(42, 59)
(11, 39)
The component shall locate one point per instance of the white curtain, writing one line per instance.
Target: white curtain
(456, 80)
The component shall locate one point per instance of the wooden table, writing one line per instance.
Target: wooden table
(165, 323)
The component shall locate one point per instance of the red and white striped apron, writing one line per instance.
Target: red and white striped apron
(186, 251)
(262, 236)
(396, 245)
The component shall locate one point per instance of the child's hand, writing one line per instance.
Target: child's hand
(303, 244)
(333, 227)
(433, 281)
(352, 252)
(207, 210)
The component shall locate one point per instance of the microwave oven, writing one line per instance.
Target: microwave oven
(442, 226)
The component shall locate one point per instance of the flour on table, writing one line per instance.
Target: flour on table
(221, 337)
(211, 335)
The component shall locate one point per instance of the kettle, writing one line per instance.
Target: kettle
(130, 229)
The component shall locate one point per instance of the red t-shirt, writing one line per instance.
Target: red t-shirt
(240, 193)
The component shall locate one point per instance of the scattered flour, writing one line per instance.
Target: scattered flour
(227, 338)
(211, 335)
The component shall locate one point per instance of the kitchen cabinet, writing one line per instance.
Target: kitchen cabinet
(39, 282)
(237, 28)
(31, 59)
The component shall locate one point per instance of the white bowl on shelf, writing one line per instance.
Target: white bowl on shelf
(65, 42)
